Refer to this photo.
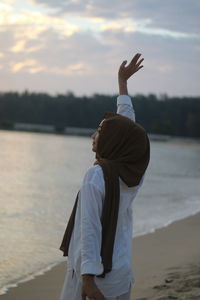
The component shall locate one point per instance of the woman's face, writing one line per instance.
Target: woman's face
(95, 137)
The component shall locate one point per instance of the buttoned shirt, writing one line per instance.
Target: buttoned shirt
(85, 245)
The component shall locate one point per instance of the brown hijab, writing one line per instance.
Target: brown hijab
(123, 151)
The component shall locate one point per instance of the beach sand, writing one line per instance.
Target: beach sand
(166, 266)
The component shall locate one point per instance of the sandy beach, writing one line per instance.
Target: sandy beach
(166, 266)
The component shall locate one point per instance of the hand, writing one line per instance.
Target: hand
(90, 290)
(125, 72)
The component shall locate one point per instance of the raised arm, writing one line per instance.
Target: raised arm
(124, 104)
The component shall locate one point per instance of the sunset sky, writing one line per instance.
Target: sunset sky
(56, 46)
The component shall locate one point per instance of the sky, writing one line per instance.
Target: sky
(57, 46)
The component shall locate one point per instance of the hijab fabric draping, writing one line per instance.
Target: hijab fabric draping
(123, 151)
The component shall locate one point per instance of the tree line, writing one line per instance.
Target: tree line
(179, 116)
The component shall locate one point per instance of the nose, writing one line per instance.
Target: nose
(93, 135)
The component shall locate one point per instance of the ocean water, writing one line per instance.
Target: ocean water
(40, 176)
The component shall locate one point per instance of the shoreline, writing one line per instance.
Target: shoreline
(87, 132)
(168, 254)
(48, 268)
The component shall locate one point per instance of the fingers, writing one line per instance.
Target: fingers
(135, 59)
(123, 64)
(99, 295)
(135, 63)
(92, 294)
(139, 68)
(139, 62)
(138, 65)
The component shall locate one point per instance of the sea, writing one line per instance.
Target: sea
(40, 176)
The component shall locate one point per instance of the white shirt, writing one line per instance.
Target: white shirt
(85, 245)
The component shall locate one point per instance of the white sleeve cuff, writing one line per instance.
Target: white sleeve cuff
(124, 99)
(91, 267)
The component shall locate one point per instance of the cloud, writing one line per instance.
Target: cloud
(50, 52)
(80, 46)
(33, 22)
(86, 63)
(26, 46)
(180, 15)
(25, 64)
(32, 66)
(10, 1)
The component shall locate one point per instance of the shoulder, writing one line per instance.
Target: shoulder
(94, 175)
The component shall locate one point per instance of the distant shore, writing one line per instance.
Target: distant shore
(77, 131)
(166, 266)
(27, 127)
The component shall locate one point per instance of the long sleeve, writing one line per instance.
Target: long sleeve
(125, 107)
(91, 207)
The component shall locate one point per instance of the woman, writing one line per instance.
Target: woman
(98, 237)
